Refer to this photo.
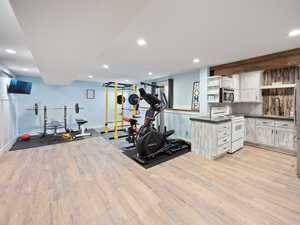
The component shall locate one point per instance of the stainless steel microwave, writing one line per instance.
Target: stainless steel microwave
(226, 95)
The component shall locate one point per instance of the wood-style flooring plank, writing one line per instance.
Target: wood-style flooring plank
(90, 182)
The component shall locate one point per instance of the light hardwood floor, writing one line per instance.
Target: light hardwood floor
(91, 182)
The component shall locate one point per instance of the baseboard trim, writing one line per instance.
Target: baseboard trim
(8, 146)
(271, 148)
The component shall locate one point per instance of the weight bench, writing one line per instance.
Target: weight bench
(80, 123)
(54, 125)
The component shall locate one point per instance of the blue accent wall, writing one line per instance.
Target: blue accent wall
(59, 95)
(183, 86)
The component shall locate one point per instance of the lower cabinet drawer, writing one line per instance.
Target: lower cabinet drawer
(224, 126)
(285, 124)
(224, 133)
(224, 140)
(265, 122)
(224, 148)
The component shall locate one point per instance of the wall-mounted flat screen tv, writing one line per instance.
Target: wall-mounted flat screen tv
(19, 87)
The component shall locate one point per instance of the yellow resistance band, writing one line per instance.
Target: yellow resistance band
(116, 112)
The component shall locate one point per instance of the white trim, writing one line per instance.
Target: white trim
(181, 112)
(8, 145)
(278, 86)
(188, 107)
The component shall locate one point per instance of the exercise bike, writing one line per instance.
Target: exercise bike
(149, 141)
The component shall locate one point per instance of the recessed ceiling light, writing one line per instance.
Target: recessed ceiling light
(294, 33)
(150, 73)
(105, 66)
(90, 76)
(10, 51)
(141, 42)
(25, 69)
(196, 60)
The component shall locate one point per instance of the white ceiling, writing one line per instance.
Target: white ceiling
(71, 39)
(12, 37)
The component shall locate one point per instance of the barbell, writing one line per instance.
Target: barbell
(77, 108)
(36, 108)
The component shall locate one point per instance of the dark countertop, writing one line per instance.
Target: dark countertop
(211, 120)
(266, 117)
(226, 119)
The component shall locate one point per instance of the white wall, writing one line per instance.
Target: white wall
(8, 109)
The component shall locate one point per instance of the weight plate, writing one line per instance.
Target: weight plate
(133, 99)
(120, 99)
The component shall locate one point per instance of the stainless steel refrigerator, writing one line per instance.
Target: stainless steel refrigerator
(297, 122)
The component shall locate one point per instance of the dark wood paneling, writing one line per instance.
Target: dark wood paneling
(272, 61)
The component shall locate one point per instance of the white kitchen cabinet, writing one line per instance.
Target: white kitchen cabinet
(250, 80)
(250, 130)
(247, 87)
(285, 138)
(210, 140)
(249, 95)
(265, 135)
(279, 135)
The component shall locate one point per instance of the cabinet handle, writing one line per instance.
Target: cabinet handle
(272, 131)
(276, 131)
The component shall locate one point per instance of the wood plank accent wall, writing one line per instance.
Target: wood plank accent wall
(272, 61)
(285, 75)
(279, 102)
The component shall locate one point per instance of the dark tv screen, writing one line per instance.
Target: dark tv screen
(19, 87)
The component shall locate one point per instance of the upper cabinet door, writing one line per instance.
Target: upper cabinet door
(250, 80)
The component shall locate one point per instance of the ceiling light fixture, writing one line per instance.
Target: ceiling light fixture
(196, 60)
(150, 73)
(105, 66)
(25, 69)
(141, 42)
(10, 51)
(294, 33)
(90, 76)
